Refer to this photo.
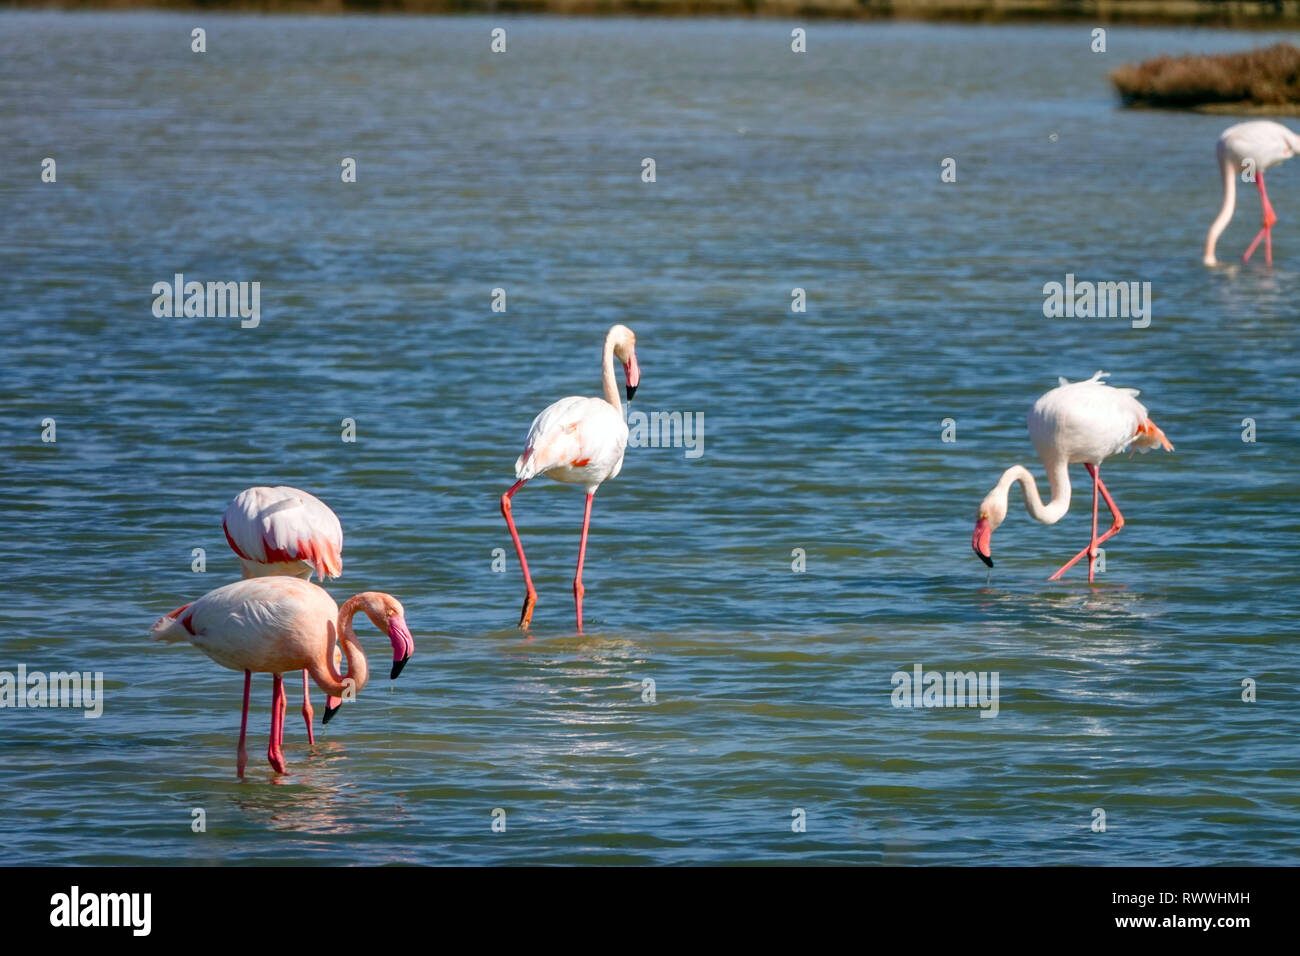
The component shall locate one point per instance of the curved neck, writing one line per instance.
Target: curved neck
(609, 384)
(1225, 211)
(327, 678)
(1058, 475)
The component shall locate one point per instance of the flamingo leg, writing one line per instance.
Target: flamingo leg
(1270, 219)
(307, 712)
(530, 596)
(578, 589)
(273, 753)
(1116, 523)
(243, 723)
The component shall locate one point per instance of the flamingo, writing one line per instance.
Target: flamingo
(1264, 143)
(277, 624)
(1075, 422)
(579, 441)
(283, 530)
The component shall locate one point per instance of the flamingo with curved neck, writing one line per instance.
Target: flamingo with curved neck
(278, 624)
(1076, 422)
(1251, 147)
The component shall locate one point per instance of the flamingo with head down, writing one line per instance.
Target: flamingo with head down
(1261, 145)
(283, 530)
(277, 624)
(1076, 422)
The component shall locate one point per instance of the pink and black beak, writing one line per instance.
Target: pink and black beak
(332, 705)
(980, 541)
(632, 374)
(403, 646)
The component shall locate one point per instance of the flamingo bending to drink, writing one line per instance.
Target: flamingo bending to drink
(277, 624)
(1259, 145)
(1075, 422)
(284, 530)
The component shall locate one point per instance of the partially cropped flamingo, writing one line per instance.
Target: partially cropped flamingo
(579, 441)
(284, 530)
(1076, 422)
(1259, 145)
(277, 624)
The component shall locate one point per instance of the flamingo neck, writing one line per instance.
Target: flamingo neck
(609, 384)
(1058, 475)
(1225, 211)
(324, 673)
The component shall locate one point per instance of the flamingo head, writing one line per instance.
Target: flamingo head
(387, 614)
(992, 512)
(624, 340)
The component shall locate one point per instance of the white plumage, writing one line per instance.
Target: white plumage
(284, 530)
(1249, 148)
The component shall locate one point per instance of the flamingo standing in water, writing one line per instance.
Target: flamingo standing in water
(283, 530)
(1261, 144)
(278, 624)
(1076, 422)
(579, 441)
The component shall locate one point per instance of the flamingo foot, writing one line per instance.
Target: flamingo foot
(526, 615)
(242, 760)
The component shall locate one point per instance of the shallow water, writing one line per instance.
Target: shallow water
(822, 433)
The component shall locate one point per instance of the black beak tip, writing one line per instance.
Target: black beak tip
(986, 559)
(329, 714)
(631, 390)
(397, 667)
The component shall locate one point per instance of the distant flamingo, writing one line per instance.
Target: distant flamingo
(1264, 144)
(579, 441)
(283, 530)
(279, 624)
(1076, 422)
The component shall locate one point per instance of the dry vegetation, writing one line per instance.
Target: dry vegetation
(1261, 80)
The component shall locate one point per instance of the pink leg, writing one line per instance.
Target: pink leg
(273, 753)
(307, 712)
(243, 723)
(578, 589)
(284, 709)
(1116, 524)
(530, 596)
(1270, 219)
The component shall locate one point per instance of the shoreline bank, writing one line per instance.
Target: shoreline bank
(1237, 14)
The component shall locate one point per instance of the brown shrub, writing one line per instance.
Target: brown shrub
(1264, 77)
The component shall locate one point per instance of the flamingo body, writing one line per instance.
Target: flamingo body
(579, 441)
(283, 530)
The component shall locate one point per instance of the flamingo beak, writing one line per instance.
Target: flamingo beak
(332, 704)
(980, 541)
(632, 373)
(403, 646)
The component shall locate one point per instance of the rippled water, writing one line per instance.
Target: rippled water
(822, 432)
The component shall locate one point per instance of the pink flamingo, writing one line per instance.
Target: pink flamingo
(579, 441)
(1261, 144)
(1076, 422)
(283, 530)
(278, 624)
